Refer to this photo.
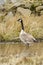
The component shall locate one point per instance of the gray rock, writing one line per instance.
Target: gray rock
(39, 8)
(1, 7)
(9, 16)
(15, 1)
(18, 4)
(1, 1)
(41, 12)
(28, 4)
(24, 12)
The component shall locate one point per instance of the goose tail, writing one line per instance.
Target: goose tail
(34, 40)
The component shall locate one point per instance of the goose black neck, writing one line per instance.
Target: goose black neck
(22, 25)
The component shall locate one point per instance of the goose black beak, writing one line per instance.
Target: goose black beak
(18, 19)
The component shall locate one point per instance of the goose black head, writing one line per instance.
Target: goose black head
(20, 20)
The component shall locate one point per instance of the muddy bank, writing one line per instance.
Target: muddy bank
(18, 53)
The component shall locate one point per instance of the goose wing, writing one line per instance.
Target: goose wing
(27, 38)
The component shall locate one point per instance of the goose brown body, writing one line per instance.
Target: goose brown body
(25, 37)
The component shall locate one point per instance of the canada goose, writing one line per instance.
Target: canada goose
(25, 37)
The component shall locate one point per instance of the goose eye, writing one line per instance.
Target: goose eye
(20, 20)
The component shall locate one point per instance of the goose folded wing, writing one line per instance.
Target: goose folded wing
(27, 38)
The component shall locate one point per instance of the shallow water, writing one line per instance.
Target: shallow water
(20, 54)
